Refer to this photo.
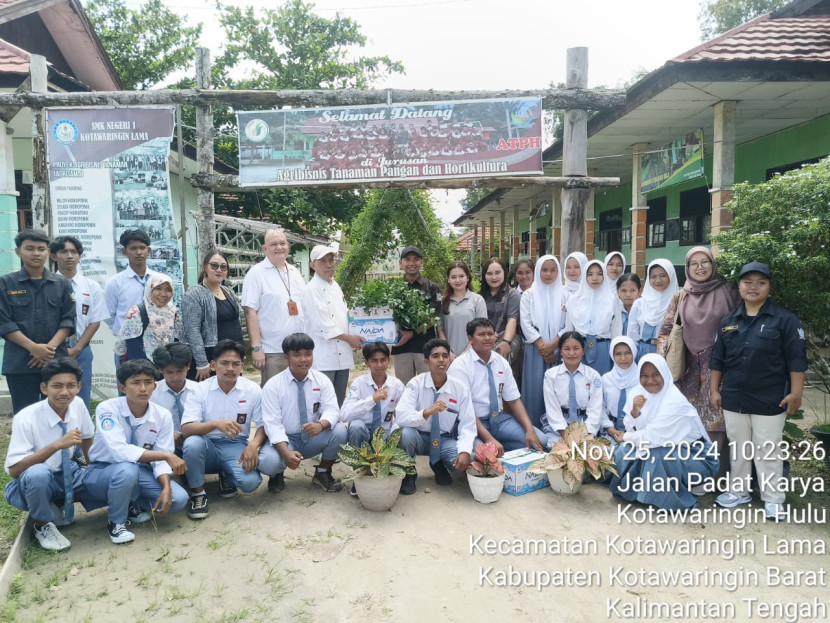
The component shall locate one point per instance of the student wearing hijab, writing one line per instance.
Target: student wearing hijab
(672, 452)
(648, 311)
(706, 299)
(541, 319)
(574, 267)
(614, 268)
(617, 384)
(152, 323)
(591, 313)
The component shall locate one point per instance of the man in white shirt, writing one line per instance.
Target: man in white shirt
(90, 308)
(171, 393)
(216, 425)
(272, 296)
(327, 322)
(301, 418)
(371, 403)
(492, 386)
(437, 417)
(44, 436)
(132, 459)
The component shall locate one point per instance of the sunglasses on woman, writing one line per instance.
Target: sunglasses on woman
(218, 266)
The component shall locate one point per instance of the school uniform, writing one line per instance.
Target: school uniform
(123, 291)
(491, 383)
(570, 397)
(446, 434)
(40, 485)
(114, 477)
(363, 415)
(591, 313)
(89, 308)
(38, 308)
(173, 401)
(648, 311)
(616, 386)
(215, 452)
(287, 404)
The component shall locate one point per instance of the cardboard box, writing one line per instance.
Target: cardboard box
(373, 325)
(517, 480)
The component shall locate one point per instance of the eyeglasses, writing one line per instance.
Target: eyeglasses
(218, 266)
(703, 264)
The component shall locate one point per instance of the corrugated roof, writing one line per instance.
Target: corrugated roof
(803, 39)
(13, 60)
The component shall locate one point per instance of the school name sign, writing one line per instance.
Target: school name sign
(436, 140)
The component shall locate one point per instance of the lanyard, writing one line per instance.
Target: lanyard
(285, 282)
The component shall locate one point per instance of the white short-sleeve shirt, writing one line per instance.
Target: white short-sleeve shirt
(359, 404)
(267, 290)
(209, 402)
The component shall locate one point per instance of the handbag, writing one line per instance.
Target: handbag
(675, 348)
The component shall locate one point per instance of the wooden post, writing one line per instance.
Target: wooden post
(639, 214)
(534, 248)
(556, 224)
(502, 235)
(517, 233)
(182, 206)
(491, 240)
(204, 154)
(38, 72)
(590, 226)
(473, 244)
(575, 157)
(723, 167)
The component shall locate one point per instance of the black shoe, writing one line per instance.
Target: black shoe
(226, 489)
(408, 484)
(442, 476)
(276, 483)
(136, 515)
(326, 481)
(353, 491)
(198, 508)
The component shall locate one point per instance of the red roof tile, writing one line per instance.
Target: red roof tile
(802, 39)
(13, 60)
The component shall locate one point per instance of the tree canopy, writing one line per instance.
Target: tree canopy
(718, 16)
(146, 45)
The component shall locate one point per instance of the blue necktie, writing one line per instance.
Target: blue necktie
(301, 406)
(621, 405)
(494, 398)
(435, 433)
(573, 408)
(133, 435)
(376, 417)
(178, 405)
(69, 493)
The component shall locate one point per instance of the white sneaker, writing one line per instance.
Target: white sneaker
(731, 500)
(119, 533)
(50, 538)
(699, 491)
(60, 519)
(774, 511)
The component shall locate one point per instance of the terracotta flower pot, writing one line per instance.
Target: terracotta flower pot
(485, 490)
(558, 485)
(378, 494)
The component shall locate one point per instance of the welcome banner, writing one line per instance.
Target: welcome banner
(108, 173)
(481, 138)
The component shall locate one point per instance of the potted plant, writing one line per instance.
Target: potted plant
(486, 474)
(576, 452)
(410, 310)
(377, 469)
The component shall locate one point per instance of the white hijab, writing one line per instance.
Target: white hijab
(591, 310)
(612, 283)
(655, 304)
(667, 416)
(573, 286)
(547, 301)
(619, 378)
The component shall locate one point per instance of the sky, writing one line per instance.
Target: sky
(499, 44)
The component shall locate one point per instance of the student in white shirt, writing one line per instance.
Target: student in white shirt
(372, 401)
(272, 296)
(327, 322)
(90, 308)
(217, 424)
(132, 459)
(591, 313)
(437, 417)
(301, 418)
(475, 368)
(573, 390)
(44, 436)
(171, 393)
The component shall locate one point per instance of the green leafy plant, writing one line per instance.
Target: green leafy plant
(410, 307)
(380, 459)
(575, 452)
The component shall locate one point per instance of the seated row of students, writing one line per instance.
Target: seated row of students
(181, 428)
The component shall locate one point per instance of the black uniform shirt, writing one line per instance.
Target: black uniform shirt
(756, 355)
(37, 308)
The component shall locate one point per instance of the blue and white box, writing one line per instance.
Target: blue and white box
(374, 325)
(517, 480)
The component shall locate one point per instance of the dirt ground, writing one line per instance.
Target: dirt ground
(305, 556)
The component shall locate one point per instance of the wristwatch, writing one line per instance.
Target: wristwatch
(256, 349)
